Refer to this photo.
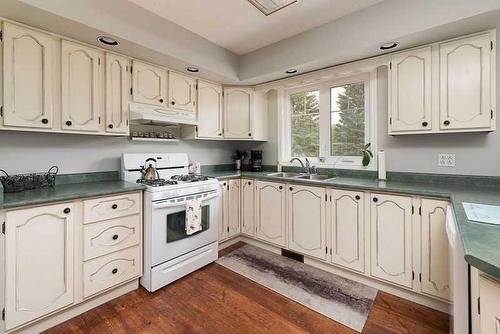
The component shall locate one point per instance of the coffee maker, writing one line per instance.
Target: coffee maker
(255, 162)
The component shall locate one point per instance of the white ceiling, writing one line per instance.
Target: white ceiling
(241, 28)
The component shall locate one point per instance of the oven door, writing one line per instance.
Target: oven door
(169, 238)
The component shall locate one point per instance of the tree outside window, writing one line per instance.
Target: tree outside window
(347, 118)
(305, 124)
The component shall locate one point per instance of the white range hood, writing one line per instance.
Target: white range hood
(149, 114)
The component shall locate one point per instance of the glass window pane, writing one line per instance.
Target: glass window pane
(305, 124)
(347, 119)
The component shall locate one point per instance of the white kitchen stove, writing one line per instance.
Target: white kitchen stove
(169, 252)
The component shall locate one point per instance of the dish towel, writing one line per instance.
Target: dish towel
(193, 216)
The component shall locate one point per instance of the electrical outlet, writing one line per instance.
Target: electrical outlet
(446, 160)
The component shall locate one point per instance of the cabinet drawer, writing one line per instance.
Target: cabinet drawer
(108, 271)
(111, 236)
(111, 207)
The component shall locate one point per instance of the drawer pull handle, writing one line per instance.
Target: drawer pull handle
(114, 206)
(447, 122)
(357, 197)
(67, 210)
(115, 237)
(45, 121)
(375, 199)
(69, 123)
(114, 271)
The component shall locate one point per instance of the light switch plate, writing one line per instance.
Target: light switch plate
(446, 160)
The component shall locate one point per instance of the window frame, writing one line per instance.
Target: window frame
(326, 160)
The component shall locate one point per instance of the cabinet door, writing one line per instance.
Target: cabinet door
(435, 250)
(233, 210)
(410, 103)
(28, 77)
(118, 77)
(181, 92)
(238, 113)
(149, 84)
(81, 87)
(347, 228)
(247, 207)
(307, 220)
(270, 212)
(209, 110)
(465, 79)
(489, 290)
(38, 262)
(223, 232)
(391, 239)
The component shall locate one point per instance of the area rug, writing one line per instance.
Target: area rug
(338, 298)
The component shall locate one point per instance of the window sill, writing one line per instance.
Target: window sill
(370, 167)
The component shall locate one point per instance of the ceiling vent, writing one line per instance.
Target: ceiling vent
(271, 6)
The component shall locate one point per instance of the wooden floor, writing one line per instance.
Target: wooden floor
(217, 300)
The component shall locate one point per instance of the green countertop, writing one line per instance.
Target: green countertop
(481, 242)
(64, 192)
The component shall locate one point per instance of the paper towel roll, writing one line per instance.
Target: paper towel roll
(381, 165)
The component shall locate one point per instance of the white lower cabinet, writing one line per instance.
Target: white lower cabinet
(247, 207)
(347, 229)
(400, 240)
(233, 208)
(489, 294)
(270, 213)
(39, 263)
(53, 261)
(223, 193)
(391, 239)
(435, 274)
(229, 209)
(307, 220)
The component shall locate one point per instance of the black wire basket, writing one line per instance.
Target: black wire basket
(29, 181)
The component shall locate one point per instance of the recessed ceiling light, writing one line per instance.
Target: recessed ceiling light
(192, 69)
(291, 71)
(267, 7)
(107, 40)
(389, 45)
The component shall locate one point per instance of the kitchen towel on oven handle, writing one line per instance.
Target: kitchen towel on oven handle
(193, 216)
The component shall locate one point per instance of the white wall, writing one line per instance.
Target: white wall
(28, 152)
(475, 153)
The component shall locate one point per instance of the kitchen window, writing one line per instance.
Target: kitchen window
(330, 123)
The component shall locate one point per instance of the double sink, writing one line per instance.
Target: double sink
(302, 176)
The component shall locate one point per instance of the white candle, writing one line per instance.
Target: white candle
(381, 165)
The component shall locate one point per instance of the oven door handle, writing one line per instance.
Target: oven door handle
(168, 204)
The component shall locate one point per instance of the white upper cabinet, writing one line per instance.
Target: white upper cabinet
(410, 91)
(347, 229)
(307, 220)
(247, 207)
(181, 92)
(209, 110)
(391, 239)
(466, 78)
(149, 84)
(27, 77)
(270, 212)
(118, 85)
(238, 108)
(81, 87)
(39, 262)
(435, 250)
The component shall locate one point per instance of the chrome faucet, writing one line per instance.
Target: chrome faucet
(306, 168)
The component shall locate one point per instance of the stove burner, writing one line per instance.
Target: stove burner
(157, 183)
(190, 178)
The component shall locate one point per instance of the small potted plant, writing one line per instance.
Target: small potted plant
(367, 154)
(238, 157)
